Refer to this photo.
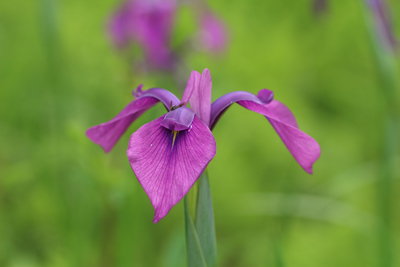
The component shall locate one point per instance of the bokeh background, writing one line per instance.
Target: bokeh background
(64, 202)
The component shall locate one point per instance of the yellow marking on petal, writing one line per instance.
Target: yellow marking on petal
(173, 140)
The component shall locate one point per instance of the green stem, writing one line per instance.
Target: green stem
(200, 236)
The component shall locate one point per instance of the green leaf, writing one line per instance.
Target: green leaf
(194, 251)
(205, 222)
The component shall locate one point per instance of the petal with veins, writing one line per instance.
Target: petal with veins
(302, 146)
(168, 163)
(200, 101)
(108, 133)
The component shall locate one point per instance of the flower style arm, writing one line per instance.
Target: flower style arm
(107, 134)
(302, 146)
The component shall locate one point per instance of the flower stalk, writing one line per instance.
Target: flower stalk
(200, 230)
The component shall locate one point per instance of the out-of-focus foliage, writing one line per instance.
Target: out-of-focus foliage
(64, 202)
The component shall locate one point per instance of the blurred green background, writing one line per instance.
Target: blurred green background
(64, 202)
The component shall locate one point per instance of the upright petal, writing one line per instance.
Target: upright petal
(168, 163)
(191, 85)
(108, 133)
(200, 101)
(303, 147)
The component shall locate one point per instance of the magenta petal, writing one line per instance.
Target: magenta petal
(192, 83)
(302, 146)
(108, 133)
(282, 112)
(178, 120)
(200, 101)
(168, 165)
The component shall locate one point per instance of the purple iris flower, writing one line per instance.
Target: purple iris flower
(170, 153)
(148, 23)
(212, 33)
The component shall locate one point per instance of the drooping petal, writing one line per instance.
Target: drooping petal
(168, 163)
(200, 101)
(179, 119)
(303, 147)
(108, 133)
(192, 83)
(282, 112)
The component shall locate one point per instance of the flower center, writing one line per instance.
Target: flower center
(178, 119)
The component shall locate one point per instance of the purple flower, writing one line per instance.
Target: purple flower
(148, 23)
(170, 153)
(382, 23)
(212, 35)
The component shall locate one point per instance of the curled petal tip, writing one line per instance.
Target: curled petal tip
(137, 92)
(265, 95)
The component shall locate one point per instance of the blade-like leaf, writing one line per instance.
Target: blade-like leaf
(194, 251)
(205, 221)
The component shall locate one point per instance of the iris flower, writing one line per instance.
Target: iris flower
(148, 23)
(170, 153)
